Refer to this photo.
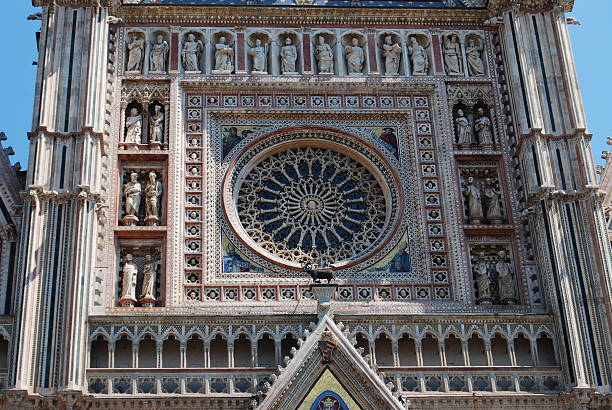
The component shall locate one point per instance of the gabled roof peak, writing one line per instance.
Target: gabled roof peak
(327, 351)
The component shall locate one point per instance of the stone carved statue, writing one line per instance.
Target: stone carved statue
(473, 52)
(474, 202)
(325, 57)
(223, 56)
(149, 278)
(483, 281)
(153, 192)
(156, 125)
(159, 55)
(464, 128)
(318, 274)
(259, 54)
(482, 126)
(492, 202)
(418, 57)
(505, 278)
(132, 191)
(133, 125)
(354, 57)
(192, 49)
(391, 54)
(452, 55)
(129, 277)
(288, 57)
(135, 54)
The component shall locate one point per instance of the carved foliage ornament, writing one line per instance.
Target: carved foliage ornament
(469, 94)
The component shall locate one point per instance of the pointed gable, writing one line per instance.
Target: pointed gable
(328, 363)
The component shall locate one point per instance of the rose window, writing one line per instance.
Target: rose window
(313, 204)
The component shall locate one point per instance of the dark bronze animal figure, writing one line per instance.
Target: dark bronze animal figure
(318, 274)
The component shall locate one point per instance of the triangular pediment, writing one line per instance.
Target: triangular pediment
(327, 366)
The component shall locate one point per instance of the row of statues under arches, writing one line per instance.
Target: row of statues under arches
(269, 352)
(349, 54)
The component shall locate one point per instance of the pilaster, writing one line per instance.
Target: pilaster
(562, 199)
(66, 147)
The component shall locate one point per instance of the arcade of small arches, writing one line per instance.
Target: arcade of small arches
(405, 349)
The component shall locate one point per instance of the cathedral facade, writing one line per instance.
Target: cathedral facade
(306, 204)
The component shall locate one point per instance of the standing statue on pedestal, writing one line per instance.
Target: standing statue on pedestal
(391, 54)
(153, 192)
(483, 128)
(452, 55)
(483, 281)
(475, 65)
(156, 126)
(159, 55)
(474, 202)
(492, 202)
(354, 57)
(259, 54)
(129, 277)
(132, 192)
(288, 56)
(418, 57)
(192, 49)
(133, 125)
(325, 57)
(223, 57)
(464, 128)
(135, 55)
(505, 279)
(148, 281)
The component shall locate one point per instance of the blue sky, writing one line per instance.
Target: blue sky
(18, 46)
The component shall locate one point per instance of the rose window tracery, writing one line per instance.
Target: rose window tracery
(312, 204)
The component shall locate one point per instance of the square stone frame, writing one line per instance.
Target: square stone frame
(441, 133)
(276, 120)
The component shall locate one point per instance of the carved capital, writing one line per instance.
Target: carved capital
(497, 7)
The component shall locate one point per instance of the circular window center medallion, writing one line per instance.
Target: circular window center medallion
(322, 203)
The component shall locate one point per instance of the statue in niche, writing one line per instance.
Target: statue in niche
(354, 57)
(464, 128)
(132, 191)
(259, 54)
(325, 57)
(452, 55)
(391, 54)
(483, 128)
(474, 202)
(129, 277)
(135, 54)
(149, 278)
(159, 55)
(288, 56)
(156, 125)
(192, 49)
(223, 56)
(418, 57)
(133, 125)
(492, 202)
(483, 280)
(505, 278)
(475, 65)
(153, 192)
